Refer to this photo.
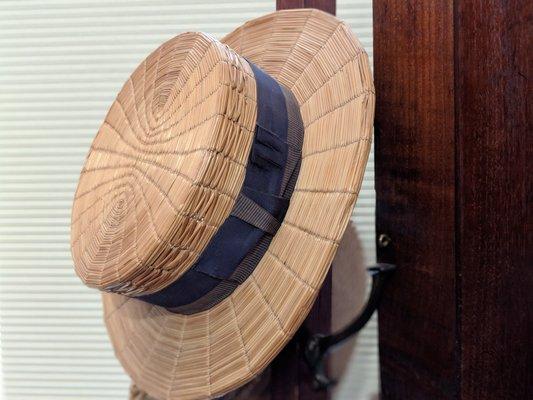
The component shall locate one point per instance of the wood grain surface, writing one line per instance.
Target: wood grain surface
(451, 181)
(493, 141)
(324, 5)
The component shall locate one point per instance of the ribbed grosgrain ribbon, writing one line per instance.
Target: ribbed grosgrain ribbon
(243, 238)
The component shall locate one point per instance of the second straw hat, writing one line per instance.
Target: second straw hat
(215, 193)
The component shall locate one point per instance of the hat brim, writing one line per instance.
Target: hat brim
(205, 355)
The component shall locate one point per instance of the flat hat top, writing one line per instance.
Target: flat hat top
(165, 167)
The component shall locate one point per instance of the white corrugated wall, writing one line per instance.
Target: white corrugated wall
(362, 381)
(61, 64)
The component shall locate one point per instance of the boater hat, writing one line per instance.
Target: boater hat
(215, 193)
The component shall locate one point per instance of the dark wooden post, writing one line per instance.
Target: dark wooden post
(290, 379)
(324, 5)
(451, 181)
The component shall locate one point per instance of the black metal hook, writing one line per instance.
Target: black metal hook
(316, 346)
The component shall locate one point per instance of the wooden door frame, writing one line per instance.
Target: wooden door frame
(329, 6)
(451, 180)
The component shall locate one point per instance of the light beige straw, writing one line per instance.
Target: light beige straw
(165, 168)
(140, 221)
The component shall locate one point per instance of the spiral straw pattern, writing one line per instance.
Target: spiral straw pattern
(165, 167)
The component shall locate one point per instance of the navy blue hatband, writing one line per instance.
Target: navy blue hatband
(240, 242)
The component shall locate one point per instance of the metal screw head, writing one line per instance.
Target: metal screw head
(384, 240)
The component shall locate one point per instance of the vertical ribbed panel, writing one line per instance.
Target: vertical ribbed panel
(62, 62)
(363, 381)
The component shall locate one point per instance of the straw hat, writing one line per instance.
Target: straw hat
(215, 194)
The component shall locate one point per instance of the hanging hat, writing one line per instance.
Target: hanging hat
(215, 194)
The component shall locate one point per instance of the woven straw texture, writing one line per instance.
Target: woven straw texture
(257, 389)
(202, 356)
(165, 168)
(349, 281)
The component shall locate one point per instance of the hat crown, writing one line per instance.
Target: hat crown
(165, 168)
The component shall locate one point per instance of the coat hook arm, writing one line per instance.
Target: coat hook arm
(316, 346)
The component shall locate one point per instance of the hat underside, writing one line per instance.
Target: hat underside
(205, 355)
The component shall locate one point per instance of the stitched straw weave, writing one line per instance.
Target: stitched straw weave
(165, 168)
(157, 183)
